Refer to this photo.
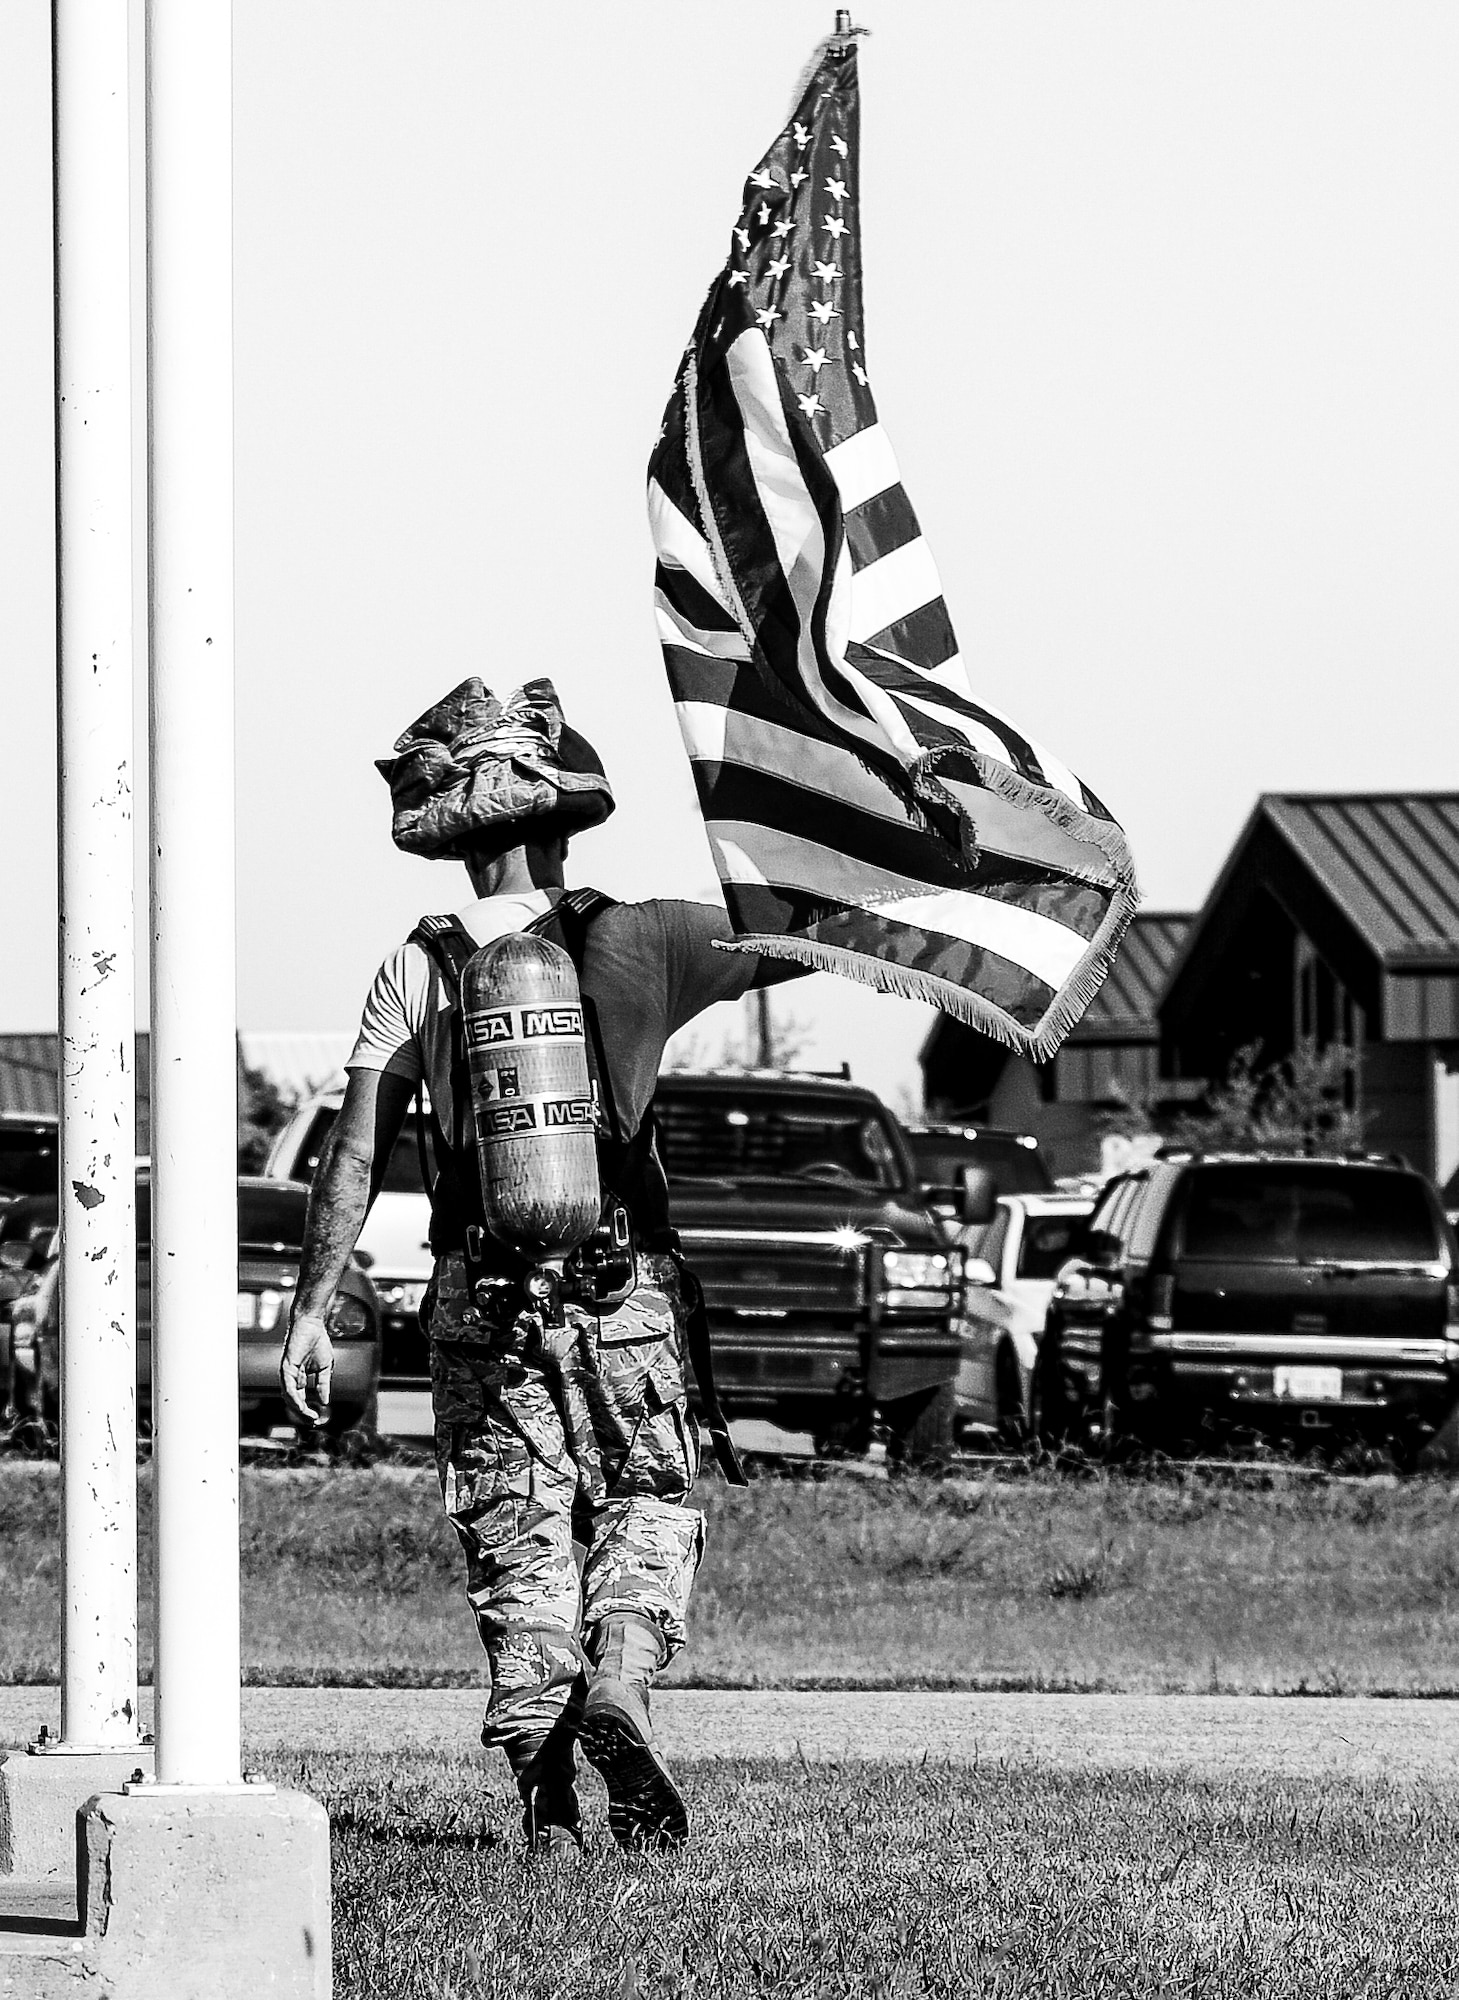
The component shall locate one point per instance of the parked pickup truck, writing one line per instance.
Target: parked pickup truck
(832, 1290)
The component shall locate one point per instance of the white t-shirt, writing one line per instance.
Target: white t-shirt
(648, 968)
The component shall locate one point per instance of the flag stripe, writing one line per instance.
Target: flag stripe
(675, 630)
(758, 911)
(881, 525)
(680, 543)
(730, 795)
(893, 588)
(716, 736)
(925, 635)
(748, 852)
(688, 597)
(863, 466)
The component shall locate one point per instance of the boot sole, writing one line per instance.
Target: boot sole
(645, 1808)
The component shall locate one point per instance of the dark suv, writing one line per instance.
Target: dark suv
(831, 1290)
(1217, 1296)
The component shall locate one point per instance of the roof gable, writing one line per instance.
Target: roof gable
(1371, 877)
(1389, 860)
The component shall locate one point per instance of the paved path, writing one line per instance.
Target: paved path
(1214, 1735)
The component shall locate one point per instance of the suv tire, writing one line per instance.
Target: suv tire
(1013, 1424)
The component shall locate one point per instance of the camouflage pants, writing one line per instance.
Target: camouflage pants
(515, 1492)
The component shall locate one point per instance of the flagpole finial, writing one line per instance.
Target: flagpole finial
(845, 29)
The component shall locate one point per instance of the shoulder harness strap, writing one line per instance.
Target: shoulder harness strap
(448, 944)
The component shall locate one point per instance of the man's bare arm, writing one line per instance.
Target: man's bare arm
(350, 1171)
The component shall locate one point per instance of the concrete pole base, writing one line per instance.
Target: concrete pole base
(183, 1895)
(223, 1895)
(40, 1796)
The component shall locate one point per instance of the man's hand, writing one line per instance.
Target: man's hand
(307, 1369)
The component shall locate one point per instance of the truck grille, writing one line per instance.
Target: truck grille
(789, 1274)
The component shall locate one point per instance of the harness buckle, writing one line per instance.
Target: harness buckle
(475, 1243)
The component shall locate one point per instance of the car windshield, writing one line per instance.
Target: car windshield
(759, 1136)
(402, 1170)
(1281, 1214)
(941, 1156)
(28, 1162)
(1047, 1243)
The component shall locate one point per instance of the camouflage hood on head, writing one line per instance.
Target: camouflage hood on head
(473, 765)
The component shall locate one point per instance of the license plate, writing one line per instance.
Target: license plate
(1308, 1385)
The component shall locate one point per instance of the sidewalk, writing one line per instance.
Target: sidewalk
(1212, 1735)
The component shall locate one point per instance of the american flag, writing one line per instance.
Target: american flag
(868, 814)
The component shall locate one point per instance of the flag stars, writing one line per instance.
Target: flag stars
(837, 227)
(859, 372)
(824, 311)
(815, 359)
(763, 178)
(802, 135)
(767, 316)
(742, 237)
(851, 340)
(840, 145)
(836, 189)
(782, 229)
(739, 277)
(798, 176)
(810, 405)
(827, 273)
(777, 267)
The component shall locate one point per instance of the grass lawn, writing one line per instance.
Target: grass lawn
(875, 1880)
(1109, 1583)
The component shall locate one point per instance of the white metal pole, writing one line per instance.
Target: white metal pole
(97, 938)
(194, 1081)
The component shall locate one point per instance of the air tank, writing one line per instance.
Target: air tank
(536, 1145)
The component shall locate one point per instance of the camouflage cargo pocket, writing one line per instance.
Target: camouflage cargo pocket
(637, 1350)
(486, 1486)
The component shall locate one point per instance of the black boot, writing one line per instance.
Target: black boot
(546, 1774)
(645, 1807)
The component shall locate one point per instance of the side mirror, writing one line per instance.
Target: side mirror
(978, 1271)
(979, 1196)
(1100, 1249)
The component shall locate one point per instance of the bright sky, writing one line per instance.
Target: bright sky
(1162, 316)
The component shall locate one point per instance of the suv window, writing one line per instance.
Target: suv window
(1149, 1213)
(1113, 1212)
(1048, 1242)
(740, 1134)
(29, 1161)
(402, 1171)
(1282, 1213)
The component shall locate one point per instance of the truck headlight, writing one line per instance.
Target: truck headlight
(916, 1280)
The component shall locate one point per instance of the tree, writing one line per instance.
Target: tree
(1299, 1105)
(264, 1108)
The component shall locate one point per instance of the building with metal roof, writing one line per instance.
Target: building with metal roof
(1335, 921)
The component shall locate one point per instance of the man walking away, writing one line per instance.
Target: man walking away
(502, 787)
